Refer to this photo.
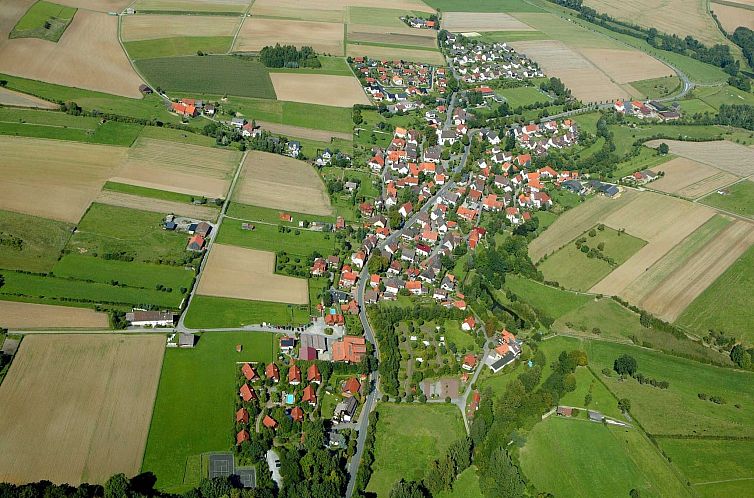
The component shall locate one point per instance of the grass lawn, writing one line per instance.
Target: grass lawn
(409, 437)
(148, 192)
(269, 215)
(132, 274)
(41, 241)
(461, 338)
(725, 94)
(45, 20)
(693, 106)
(657, 87)
(546, 218)
(331, 64)
(573, 457)
(739, 200)
(223, 74)
(317, 287)
(574, 269)
(721, 305)
(523, 95)
(193, 411)
(106, 229)
(268, 238)
(220, 312)
(176, 46)
(602, 400)
(548, 300)
(646, 159)
(328, 403)
(366, 179)
(466, 485)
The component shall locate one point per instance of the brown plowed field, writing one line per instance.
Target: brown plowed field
(241, 273)
(88, 54)
(721, 154)
(15, 315)
(187, 169)
(690, 179)
(77, 408)
(668, 300)
(16, 99)
(257, 33)
(482, 21)
(157, 205)
(279, 182)
(165, 26)
(324, 89)
(54, 179)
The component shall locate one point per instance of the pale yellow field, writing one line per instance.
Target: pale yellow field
(54, 179)
(187, 169)
(732, 17)
(16, 99)
(680, 17)
(585, 80)
(77, 408)
(157, 205)
(279, 182)
(374, 52)
(301, 132)
(164, 26)
(18, 316)
(690, 179)
(328, 10)
(257, 33)
(98, 5)
(241, 273)
(625, 66)
(482, 21)
(325, 89)
(721, 154)
(193, 5)
(88, 54)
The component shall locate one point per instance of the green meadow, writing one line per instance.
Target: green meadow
(220, 312)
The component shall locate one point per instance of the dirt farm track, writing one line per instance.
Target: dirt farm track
(89, 401)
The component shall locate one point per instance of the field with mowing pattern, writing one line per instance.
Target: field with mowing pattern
(169, 26)
(324, 89)
(41, 241)
(739, 199)
(34, 24)
(257, 33)
(691, 179)
(18, 315)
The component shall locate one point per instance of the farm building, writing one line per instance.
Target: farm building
(152, 319)
(350, 349)
(565, 411)
(196, 243)
(186, 340)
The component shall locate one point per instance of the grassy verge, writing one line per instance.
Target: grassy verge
(148, 192)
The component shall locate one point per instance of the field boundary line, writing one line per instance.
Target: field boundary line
(244, 16)
(722, 481)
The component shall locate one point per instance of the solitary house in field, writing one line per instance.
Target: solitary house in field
(151, 318)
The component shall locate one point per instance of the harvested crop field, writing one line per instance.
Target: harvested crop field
(215, 6)
(690, 179)
(324, 89)
(280, 182)
(391, 36)
(669, 299)
(662, 221)
(257, 33)
(301, 132)
(585, 80)
(166, 26)
(104, 390)
(720, 154)
(241, 273)
(157, 205)
(17, 99)
(98, 5)
(54, 179)
(326, 10)
(88, 54)
(175, 167)
(731, 17)
(482, 21)
(16, 315)
(625, 66)
(375, 52)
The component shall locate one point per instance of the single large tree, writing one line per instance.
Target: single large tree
(625, 365)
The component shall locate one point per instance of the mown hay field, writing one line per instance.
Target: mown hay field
(104, 391)
(241, 273)
(166, 26)
(721, 154)
(214, 6)
(481, 22)
(16, 315)
(731, 17)
(175, 167)
(690, 179)
(53, 179)
(334, 11)
(279, 182)
(257, 33)
(43, 240)
(17, 99)
(338, 91)
(625, 66)
(87, 56)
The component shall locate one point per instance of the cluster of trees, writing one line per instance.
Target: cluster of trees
(744, 38)
(740, 115)
(10, 241)
(288, 56)
(440, 475)
(556, 86)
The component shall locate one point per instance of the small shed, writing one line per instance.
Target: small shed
(10, 346)
(186, 340)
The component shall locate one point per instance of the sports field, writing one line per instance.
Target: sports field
(241, 273)
(200, 381)
(257, 33)
(279, 182)
(409, 437)
(691, 179)
(167, 26)
(105, 387)
(16, 315)
(721, 154)
(339, 91)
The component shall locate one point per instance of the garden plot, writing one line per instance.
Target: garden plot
(166, 26)
(720, 154)
(16, 315)
(482, 21)
(279, 182)
(157, 205)
(88, 54)
(175, 167)
(690, 179)
(241, 273)
(94, 422)
(257, 33)
(585, 80)
(625, 66)
(54, 179)
(323, 89)
(16, 99)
